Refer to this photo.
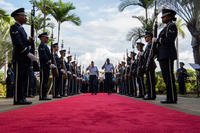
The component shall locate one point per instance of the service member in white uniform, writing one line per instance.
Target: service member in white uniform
(109, 71)
(93, 77)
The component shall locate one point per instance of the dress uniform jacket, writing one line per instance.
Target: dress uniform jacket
(133, 77)
(57, 86)
(166, 39)
(140, 63)
(44, 57)
(62, 80)
(140, 73)
(69, 80)
(21, 45)
(166, 56)
(21, 48)
(149, 62)
(150, 66)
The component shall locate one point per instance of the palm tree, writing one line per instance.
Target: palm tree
(38, 23)
(147, 23)
(137, 33)
(5, 50)
(44, 6)
(189, 11)
(181, 32)
(5, 43)
(60, 11)
(142, 3)
(5, 22)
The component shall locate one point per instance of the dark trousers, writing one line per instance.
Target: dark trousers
(133, 89)
(9, 90)
(44, 77)
(31, 86)
(93, 84)
(126, 86)
(108, 82)
(62, 85)
(21, 71)
(56, 86)
(69, 84)
(122, 86)
(140, 81)
(74, 85)
(63, 89)
(181, 84)
(151, 92)
(167, 67)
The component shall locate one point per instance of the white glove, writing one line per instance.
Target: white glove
(62, 70)
(69, 72)
(52, 66)
(32, 57)
(154, 40)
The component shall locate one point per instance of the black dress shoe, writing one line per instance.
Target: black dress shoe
(27, 102)
(45, 98)
(57, 97)
(168, 102)
(147, 98)
(153, 98)
(30, 96)
(139, 96)
(23, 102)
(64, 95)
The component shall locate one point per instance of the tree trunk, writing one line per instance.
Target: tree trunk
(6, 66)
(44, 22)
(196, 51)
(36, 40)
(177, 49)
(196, 54)
(58, 32)
(146, 16)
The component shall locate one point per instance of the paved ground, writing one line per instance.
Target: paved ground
(6, 104)
(185, 104)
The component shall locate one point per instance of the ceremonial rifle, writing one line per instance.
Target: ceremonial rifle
(32, 41)
(155, 30)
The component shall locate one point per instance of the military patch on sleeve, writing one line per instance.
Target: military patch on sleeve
(42, 49)
(15, 32)
(171, 31)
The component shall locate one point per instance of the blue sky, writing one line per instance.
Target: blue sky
(103, 30)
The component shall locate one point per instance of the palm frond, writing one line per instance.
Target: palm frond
(72, 18)
(135, 34)
(126, 3)
(142, 3)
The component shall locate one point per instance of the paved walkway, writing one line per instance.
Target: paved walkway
(185, 104)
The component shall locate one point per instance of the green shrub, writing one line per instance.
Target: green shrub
(2, 90)
(190, 83)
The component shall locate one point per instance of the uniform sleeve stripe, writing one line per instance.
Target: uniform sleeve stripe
(23, 50)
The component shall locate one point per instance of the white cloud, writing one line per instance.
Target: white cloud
(103, 33)
(7, 6)
(99, 56)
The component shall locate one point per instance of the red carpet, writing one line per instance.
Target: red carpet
(101, 113)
